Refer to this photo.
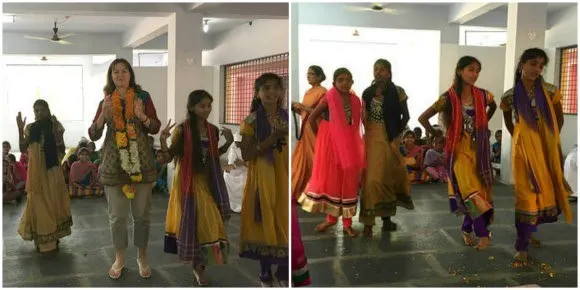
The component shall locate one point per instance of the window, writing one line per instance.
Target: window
(482, 36)
(239, 84)
(151, 58)
(569, 79)
(60, 85)
(57, 84)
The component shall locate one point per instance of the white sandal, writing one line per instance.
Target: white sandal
(116, 273)
(198, 279)
(144, 272)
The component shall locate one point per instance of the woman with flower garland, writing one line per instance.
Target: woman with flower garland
(46, 217)
(198, 202)
(127, 169)
(264, 230)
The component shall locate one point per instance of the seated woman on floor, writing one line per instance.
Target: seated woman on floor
(413, 155)
(19, 172)
(11, 189)
(83, 176)
(71, 157)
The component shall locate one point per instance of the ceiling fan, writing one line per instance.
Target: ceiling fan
(55, 37)
(377, 8)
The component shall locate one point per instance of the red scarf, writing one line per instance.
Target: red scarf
(349, 146)
(456, 127)
(187, 173)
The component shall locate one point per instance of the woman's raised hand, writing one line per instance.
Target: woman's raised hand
(21, 123)
(166, 132)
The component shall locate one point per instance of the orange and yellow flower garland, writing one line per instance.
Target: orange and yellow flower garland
(126, 139)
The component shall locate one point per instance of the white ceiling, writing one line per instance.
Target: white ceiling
(81, 23)
(219, 25)
(33, 23)
(498, 17)
(552, 7)
(121, 17)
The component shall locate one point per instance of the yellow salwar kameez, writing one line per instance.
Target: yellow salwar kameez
(466, 181)
(540, 190)
(47, 216)
(264, 230)
(205, 242)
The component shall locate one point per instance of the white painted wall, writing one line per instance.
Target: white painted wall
(264, 38)
(149, 78)
(407, 50)
(421, 16)
(161, 43)
(93, 81)
(154, 81)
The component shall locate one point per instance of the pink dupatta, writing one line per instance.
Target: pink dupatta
(349, 146)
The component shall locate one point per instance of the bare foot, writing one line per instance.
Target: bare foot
(323, 226)
(368, 231)
(483, 243)
(351, 232)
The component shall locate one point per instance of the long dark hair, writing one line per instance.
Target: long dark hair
(110, 86)
(259, 83)
(529, 54)
(194, 98)
(462, 63)
(43, 128)
(318, 72)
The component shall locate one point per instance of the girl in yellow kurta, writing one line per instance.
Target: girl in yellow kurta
(47, 216)
(303, 155)
(198, 202)
(264, 229)
(467, 150)
(541, 193)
